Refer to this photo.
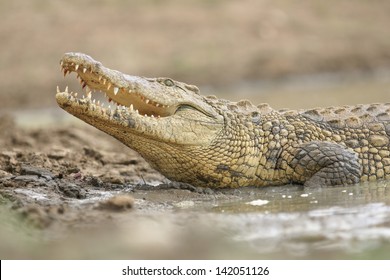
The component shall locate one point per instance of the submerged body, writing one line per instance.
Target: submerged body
(211, 142)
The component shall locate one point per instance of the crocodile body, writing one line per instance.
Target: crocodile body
(211, 142)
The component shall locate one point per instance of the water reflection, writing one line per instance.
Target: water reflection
(312, 223)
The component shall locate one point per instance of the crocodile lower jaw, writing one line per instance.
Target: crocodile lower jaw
(72, 103)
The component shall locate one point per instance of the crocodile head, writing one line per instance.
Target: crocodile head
(168, 122)
(159, 109)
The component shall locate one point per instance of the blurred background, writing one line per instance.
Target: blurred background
(289, 53)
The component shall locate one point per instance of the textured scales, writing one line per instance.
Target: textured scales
(213, 142)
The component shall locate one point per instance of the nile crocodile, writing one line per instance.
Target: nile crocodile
(211, 142)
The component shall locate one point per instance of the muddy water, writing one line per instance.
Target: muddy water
(290, 222)
(314, 223)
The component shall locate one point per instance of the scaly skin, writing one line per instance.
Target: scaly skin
(212, 142)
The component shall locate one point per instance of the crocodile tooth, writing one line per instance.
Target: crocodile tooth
(58, 89)
(75, 94)
(65, 72)
(137, 111)
(158, 116)
(116, 90)
(147, 101)
(130, 91)
(146, 115)
(84, 70)
(131, 107)
(109, 86)
(66, 89)
(89, 94)
(104, 81)
(157, 105)
(76, 67)
(61, 63)
(152, 116)
(93, 101)
(100, 77)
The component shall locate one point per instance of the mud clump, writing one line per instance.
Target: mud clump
(72, 190)
(40, 217)
(117, 203)
(32, 170)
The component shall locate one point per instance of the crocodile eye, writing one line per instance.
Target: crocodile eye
(169, 83)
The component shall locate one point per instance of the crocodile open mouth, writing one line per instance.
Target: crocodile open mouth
(119, 89)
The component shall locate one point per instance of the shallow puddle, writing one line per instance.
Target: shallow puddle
(340, 222)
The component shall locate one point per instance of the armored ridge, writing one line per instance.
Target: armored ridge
(211, 142)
